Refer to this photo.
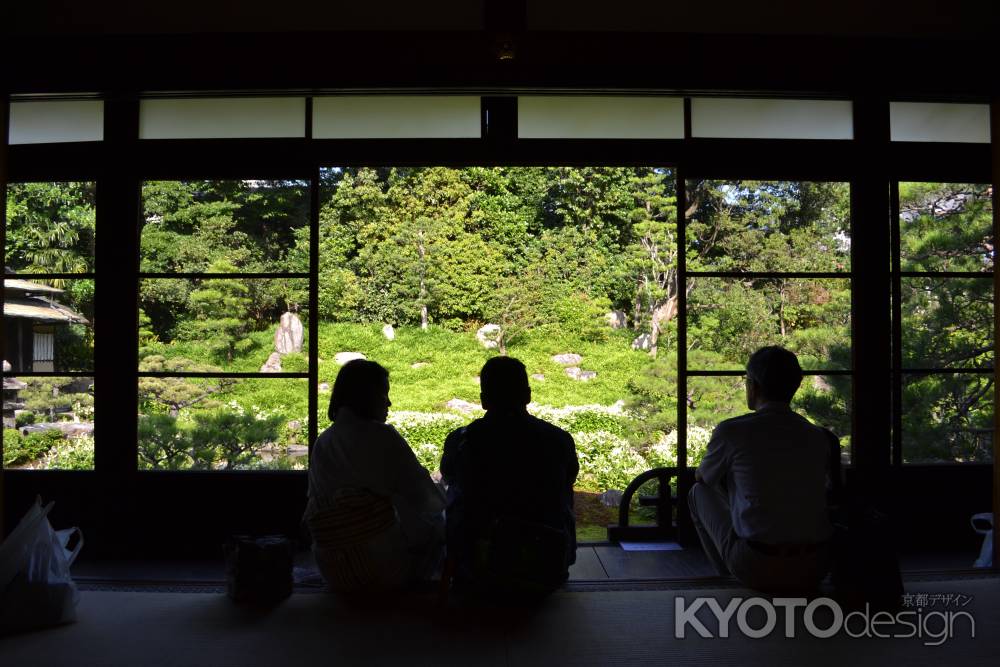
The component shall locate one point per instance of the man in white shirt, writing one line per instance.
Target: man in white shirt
(759, 502)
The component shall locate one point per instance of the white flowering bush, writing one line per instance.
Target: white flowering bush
(428, 454)
(590, 418)
(428, 429)
(664, 452)
(71, 454)
(83, 412)
(607, 461)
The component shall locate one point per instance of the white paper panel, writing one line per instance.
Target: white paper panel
(55, 121)
(396, 117)
(734, 118)
(608, 117)
(955, 123)
(222, 118)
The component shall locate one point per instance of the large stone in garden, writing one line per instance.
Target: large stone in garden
(465, 407)
(273, 364)
(419, 364)
(567, 359)
(611, 498)
(389, 332)
(577, 373)
(616, 319)
(343, 357)
(488, 336)
(288, 337)
(537, 376)
(643, 342)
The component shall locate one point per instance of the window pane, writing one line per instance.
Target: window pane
(56, 121)
(222, 118)
(771, 119)
(922, 121)
(48, 325)
(48, 423)
(825, 400)
(768, 226)
(947, 418)
(50, 227)
(607, 117)
(225, 227)
(223, 424)
(396, 117)
(728, 319)
(947, 322)
(945, 227)
(239, 325)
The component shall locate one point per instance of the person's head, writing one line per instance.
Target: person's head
(773, 375)
(503, 384)
(362, 386)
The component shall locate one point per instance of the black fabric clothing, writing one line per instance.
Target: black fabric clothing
(507, 464)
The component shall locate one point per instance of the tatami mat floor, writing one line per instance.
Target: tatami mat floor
(571, 628)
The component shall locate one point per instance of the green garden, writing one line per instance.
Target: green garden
(430, 271)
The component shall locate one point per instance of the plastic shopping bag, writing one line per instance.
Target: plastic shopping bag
(36, 589)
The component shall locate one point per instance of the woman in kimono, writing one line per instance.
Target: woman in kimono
(374, 513)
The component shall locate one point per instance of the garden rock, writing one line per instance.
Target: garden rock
(611, 498)
(324, 387)
(616, 319)
(577, 374)
(643, 342)
(69, 429)
(465, 407)
(537, 376)
(343, 357)
(389, 332)
(488, 336)
(567, 359)
(288, 337)
(273, 364)
(419, 364)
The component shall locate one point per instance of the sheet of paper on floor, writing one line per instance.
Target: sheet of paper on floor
(651, 546)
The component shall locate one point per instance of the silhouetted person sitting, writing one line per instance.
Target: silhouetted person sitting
(759, 502)
(373, 511)
(510, 475)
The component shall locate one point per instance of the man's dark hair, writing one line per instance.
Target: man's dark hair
(776, 372)
(357, 385)
(503, 383)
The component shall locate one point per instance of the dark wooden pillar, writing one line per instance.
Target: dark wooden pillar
(115, 327)
(871, 300)
(995, 147)
(4, 108)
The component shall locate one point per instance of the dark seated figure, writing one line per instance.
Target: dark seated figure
(760, 500)
(510, 522)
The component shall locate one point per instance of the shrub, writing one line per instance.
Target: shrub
(24, 418)
(607, 461)
(425, 428)
(663, 454)
(20, 449)
(72, 454)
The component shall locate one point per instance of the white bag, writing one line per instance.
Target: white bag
(36, 589)
(983, 524)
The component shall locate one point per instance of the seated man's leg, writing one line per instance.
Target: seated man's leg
(714, 523)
